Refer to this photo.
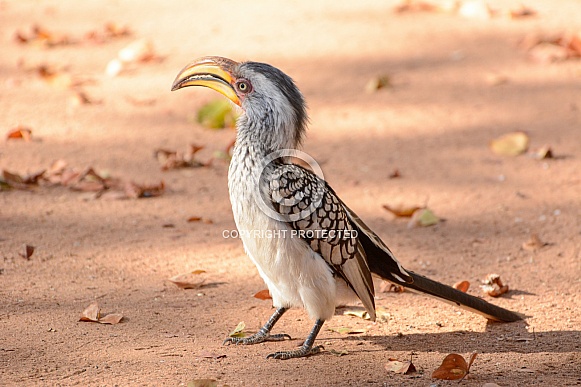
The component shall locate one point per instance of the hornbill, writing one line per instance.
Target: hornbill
(318, 253)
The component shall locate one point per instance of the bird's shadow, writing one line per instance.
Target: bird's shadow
(497, 337)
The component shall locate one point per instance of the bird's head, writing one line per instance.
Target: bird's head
(274, 110)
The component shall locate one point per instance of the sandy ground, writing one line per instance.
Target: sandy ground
(433, 125)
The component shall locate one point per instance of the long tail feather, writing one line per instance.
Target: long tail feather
(447, 293)
(382, 262)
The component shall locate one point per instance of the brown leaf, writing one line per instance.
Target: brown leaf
(136, 191)
(462, 286)
(378, 83)
(400, 367)
(553, 48)
(544, 152)
(110, 30)
(493, 286)
(356, 312)
(454, 367)
(56, 78)
(26, 251)
(193, 219)
(534, 243)
(41, 36)
(189, 280)
(112, 318)
(91, 313)
(402, 210)
(20, 132)
(394, 174)
(175, 159)
(263, 295)
(14, 180)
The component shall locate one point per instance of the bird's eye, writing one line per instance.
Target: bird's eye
(244, 86)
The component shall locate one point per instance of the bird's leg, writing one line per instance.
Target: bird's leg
(264, 333)
(306, 349)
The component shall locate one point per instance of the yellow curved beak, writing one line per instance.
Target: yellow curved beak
(214, 72)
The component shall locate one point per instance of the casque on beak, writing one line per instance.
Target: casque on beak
(214, 72)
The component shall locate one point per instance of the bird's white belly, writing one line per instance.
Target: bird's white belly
(296, 276)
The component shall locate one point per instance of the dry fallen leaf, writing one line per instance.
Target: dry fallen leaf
(395, 174)
(493, 286)
(20, 132)
(112, 318)
(26, 251)
(534, 243)
(88, 180)
(553, 48)
(424, 217)
(378, 83)
(190, 280)
(239, 330)
(361, 313)
(510, 144)
(402, 210)
(400, 367)
(263, 295)
(110, 30)
(544, 152)
(93, 314)
(40, 36)
(80, 97)
(135, 191)
(454, 367)
(170, 159)
(193, 219)
(462, 286)
(14, 180)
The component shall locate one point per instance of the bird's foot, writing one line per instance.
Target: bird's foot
(259, 337)
(301, 352)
